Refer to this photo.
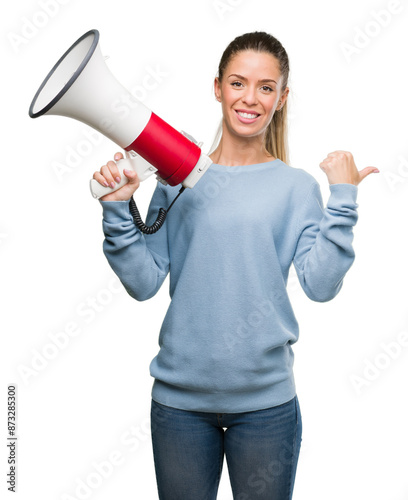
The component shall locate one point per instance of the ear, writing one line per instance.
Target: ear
(283, 98)
(217, 89)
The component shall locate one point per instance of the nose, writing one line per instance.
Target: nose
(249, 96)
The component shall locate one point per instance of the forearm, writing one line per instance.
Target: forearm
(326, 253)
(140, 269)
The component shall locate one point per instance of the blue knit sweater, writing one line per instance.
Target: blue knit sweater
(226, 340)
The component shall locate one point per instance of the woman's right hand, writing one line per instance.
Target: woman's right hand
(108, 176)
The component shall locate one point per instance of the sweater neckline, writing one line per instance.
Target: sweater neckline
(252, 166)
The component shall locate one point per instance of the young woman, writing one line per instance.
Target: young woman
(223, 376)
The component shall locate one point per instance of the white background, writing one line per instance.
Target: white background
(90, 403)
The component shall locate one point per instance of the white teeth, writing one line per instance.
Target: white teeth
(246, 115)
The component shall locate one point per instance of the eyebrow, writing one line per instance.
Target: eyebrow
(243, 78)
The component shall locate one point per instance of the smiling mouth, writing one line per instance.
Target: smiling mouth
(248, 116)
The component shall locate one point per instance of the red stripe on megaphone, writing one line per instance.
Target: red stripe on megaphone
(164, 147)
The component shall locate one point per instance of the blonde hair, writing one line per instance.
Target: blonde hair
(276, 135)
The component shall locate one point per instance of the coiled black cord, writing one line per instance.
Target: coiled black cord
(160, 218)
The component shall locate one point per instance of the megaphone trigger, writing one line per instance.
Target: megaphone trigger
(142, 167)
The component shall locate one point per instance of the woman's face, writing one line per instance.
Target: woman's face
(250, 92)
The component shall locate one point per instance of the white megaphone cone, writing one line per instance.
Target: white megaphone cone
(81, 86)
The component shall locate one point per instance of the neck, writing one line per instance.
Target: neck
(234, 150)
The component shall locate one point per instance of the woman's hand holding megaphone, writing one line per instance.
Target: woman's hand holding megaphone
(109, 176)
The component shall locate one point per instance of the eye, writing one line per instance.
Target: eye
(268, 89)
(233, 83)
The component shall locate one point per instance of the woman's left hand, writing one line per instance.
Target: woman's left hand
(339, 167)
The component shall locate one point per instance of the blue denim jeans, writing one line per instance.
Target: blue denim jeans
(261, 449)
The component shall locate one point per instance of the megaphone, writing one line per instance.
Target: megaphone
(81, 86)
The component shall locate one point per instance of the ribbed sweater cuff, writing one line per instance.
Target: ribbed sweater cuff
(344, 192)
(114, 211)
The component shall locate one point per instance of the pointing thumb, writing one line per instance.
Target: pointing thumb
(366, 171)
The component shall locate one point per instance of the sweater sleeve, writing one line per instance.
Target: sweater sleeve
(324, 251)
(140, 261)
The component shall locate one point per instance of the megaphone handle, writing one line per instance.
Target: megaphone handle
(97, 190)
(132, 162)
